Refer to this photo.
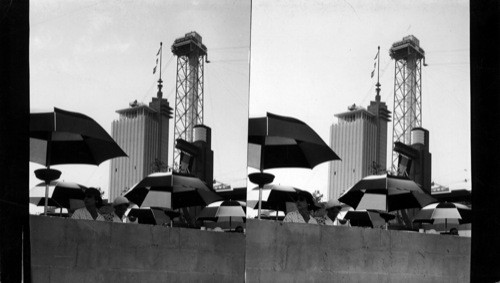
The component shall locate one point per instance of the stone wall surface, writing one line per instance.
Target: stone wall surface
(65, 250)
(289, 252)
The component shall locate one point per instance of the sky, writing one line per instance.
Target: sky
(95, 57)
(312, 59)
(308, 59)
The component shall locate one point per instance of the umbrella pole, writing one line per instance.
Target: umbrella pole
(386, 225)
(47, 163)
(261, 179)
(260, 201)
(46, 198)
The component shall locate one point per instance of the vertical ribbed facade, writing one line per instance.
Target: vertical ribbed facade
(136, 131)
(360, 139)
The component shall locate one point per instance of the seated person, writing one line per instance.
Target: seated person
(333, 208)
(120, 205)
(305, 205)
(93, 202)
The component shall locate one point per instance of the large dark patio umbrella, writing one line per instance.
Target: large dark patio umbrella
(284, 142)
(64, 137)
(386, 193)
(171, 190)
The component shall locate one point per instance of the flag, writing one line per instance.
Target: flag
(158, 53)
(375, 63)
(374, 67)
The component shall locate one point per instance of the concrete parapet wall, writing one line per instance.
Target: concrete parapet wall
(289, 252)
(65, 250)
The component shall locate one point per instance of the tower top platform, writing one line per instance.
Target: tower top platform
(191, 43)
(409, 46)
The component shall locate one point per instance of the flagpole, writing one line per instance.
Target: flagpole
(378, 67)
(160, 98)
(161, 53)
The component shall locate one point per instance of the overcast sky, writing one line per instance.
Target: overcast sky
(95, 57)
(312, 59)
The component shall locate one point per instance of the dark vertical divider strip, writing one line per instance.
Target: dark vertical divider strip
(14, 145)
(485, 132)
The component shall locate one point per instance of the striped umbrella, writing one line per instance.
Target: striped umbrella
(171, 190)
(386, 193)
(444, 211)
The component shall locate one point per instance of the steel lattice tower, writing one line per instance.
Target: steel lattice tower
(191, 55)
(407, 111)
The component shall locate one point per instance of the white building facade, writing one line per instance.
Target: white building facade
(360, 139)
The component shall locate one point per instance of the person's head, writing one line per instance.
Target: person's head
(92, 198)
(238, 229)
(454, 231)
(303, 201)
(120, 204)
(333, 208)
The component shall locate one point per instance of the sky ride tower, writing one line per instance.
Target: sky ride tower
(407, 111)
(191, 56)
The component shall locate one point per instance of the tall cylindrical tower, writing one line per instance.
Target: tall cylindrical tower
(191, 55)
(407, 111)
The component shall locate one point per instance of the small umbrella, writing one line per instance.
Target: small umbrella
(386, 193)
(368, 218)
(171, 190)
(278, 196)
(61, 194)
(223, 210)
(444, 211)
(272, 215)
(64, 137)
